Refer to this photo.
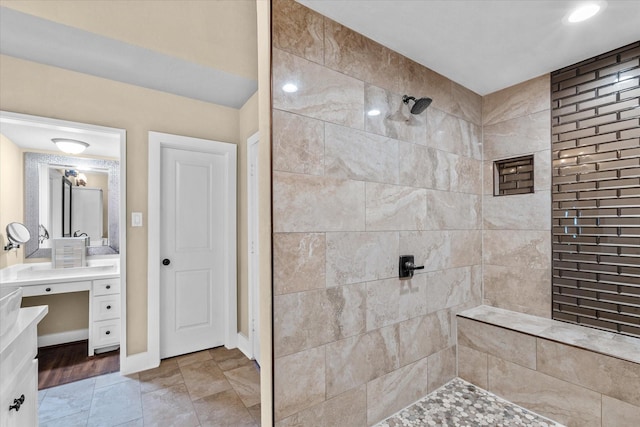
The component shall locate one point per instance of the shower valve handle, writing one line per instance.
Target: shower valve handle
(412, 266)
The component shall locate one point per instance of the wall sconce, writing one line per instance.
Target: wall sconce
(70, 146)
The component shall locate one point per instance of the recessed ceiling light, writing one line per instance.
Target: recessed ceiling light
(290, 88)
(373, 112)
(584, 12)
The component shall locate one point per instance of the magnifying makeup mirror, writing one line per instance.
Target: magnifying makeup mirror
(17, 234)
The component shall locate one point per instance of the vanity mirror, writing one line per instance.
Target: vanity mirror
(57, 207)
(17, 234)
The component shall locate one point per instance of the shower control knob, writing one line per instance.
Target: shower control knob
(166, 261)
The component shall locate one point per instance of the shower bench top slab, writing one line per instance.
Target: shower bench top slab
(609, 343)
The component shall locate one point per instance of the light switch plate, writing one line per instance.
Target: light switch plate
(136, 219)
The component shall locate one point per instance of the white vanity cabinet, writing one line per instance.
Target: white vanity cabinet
(104, 307)
(19, 370)
(104, 314)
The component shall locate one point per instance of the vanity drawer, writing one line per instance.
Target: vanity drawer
(55, 288)
(106, 286)
(106, 307)
(23, 383)
(106, 332)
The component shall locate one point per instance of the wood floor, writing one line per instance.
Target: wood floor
(65, 363)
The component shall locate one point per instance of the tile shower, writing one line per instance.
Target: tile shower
(352, 192)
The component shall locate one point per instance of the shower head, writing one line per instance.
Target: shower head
(419, 105)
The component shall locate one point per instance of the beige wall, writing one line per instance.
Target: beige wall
(517, 228)
(67, 312)
(350, 194)
(11, 197)
(220, 34)
(41, 90)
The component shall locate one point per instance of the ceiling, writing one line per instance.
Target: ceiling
(488, 45)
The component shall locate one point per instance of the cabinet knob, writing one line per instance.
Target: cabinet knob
(48, 290)
(108, 286)
(17, 403)
(108, 307)
(108, 332)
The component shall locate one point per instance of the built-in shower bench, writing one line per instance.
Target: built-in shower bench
(572, 374)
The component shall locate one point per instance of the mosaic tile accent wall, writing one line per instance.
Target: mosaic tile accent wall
(351, 193)
(517, 228)
(596, 191)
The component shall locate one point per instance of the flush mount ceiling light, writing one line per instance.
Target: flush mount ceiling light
(585, 11)
(374, 112)
(70, 146)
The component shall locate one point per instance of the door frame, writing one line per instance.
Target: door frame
(253, 257)
(157, 141)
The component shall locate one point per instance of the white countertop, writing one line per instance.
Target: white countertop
(42, 273)
(26, 317)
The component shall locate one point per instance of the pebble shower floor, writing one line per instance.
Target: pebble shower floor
(461, 404)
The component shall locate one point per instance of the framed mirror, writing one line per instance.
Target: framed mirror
(51, 211)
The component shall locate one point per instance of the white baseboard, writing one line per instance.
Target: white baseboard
(63, 337)
(244, 346)
(137, 362)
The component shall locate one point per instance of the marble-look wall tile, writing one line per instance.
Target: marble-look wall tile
(465, 174)
(616, 413)
(304, 320)
(518, 289)
(473, 366)
(518, 212)
(392, 300)
(390, 207)
(424, 167)
(297, 143)
(298, 262)
(448, 288)
(394, 120)
(361, 257)
(360, 57)
(297, 29)
(604, 374)
(452, 134)
(453, 211)
(423, 336)
(466, 104)
(390, 393)
(441, 368)
(309, 203)
(504, 343)
(300, 382)
(439, 250)
(359, 155)
(525, 248)
(357, 360)
(322, 93)
(516, 137)
(559, 400)
(348, 409)
(519, 100)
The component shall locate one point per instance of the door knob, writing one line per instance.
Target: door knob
(166, 261)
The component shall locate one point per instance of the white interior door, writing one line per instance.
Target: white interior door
(194, 272)
(252, 207)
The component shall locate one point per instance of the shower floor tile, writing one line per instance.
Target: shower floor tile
(460, 404)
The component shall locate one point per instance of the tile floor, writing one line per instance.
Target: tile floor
(459, 403)
(216, 387)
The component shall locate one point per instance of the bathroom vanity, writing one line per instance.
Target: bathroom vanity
(101, 278)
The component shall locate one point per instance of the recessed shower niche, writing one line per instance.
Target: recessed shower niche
(513, 176)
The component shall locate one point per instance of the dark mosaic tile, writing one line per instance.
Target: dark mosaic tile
(461, 404)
